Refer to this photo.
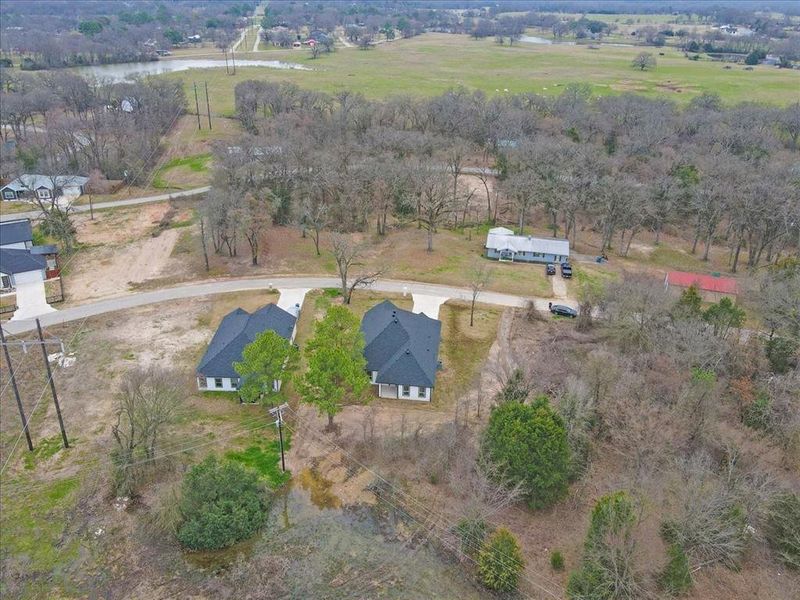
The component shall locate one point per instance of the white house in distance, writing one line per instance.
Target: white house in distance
(236, 330)
(44, 187)
(402, 351)
(503, 245)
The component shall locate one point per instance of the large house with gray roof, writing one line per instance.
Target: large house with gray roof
(44, 187)
(402, 351)
(503, 245)
(238, 329)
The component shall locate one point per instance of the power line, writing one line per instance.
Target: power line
(423, 508)
(248, 426)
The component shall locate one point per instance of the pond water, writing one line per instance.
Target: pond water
(346, 552)
(532, 39)
(126, 71)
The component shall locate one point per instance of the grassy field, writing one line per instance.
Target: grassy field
(433, 63)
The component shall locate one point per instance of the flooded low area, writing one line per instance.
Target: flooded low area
(127, 71)
(346, 551)
(533, 39)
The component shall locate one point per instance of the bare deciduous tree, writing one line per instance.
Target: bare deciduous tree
(347, 255)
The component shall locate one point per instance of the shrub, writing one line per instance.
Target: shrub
(500, 561)
(758, 414)
(516, 389)
(529, 443)
(782, 354)
(606, 570)
(472, 533)
(557, 560)
(676, 578)
(783, 528)
(221, 504)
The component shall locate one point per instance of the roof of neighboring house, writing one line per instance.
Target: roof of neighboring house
(403, 347)
(28, 182)
(237, 329)
(16, 231)
(707, 283)
(46, 249)
(20, 261)
(501, 238)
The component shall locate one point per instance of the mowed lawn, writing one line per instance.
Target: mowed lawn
(433, 63)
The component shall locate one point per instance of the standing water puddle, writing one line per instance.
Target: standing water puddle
(345, 552)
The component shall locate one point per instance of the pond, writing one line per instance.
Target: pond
(346, 552)
(126, 71)
(532, 39)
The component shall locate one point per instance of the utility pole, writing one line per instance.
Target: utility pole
(16, 390)
(208, 108)
(278, 411)
(225, 50)
(52, 384)
(197, 107)
(233, 59)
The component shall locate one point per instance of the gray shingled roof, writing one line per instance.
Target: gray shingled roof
(237, 330)
(13, 232)
(401, 346)
(20, 261)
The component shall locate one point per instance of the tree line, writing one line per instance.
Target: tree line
(618, 165)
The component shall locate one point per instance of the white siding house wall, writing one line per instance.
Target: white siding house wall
(224, 384)
(407, 392)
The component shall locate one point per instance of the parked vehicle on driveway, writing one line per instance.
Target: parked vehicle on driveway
(550, 269)
(566, 270)
(562, 311)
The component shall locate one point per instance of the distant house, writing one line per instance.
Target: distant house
(44, 187)
(402, 351)
(503, 245)
(238, 329)
(771, 59)
(712, 288)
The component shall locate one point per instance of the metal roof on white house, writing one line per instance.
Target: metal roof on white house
(34, 182)
(501, 238)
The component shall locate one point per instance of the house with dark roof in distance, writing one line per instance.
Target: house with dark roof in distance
(236, 330)
(402, 351)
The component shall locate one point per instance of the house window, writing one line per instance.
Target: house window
(405, 391)
(422, 393)
(44, 193)
(235, 384)
(217, 382)
(9, 195)
(5, 282)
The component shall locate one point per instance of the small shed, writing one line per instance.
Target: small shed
(503, 245)
(712, 288)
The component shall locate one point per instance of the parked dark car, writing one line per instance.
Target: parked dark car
(562, 311)
(566, 270)
(550, 269)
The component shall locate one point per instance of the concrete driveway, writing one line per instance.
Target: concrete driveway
(428, 305)
(291, 299)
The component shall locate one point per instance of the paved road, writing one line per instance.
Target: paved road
(35, 214)
(195, 290)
